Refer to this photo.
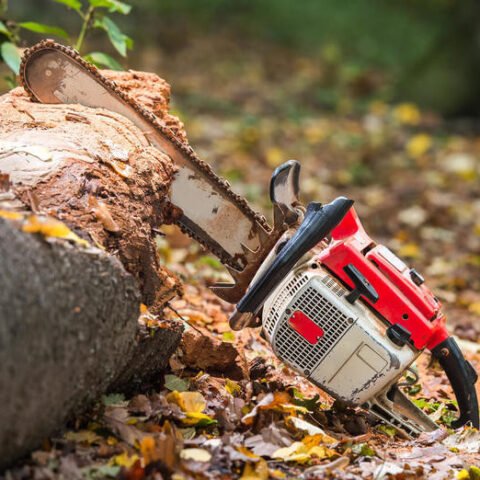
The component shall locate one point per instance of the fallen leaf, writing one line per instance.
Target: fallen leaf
(188, 401)
(255, 471)
(83, 436)
(269, 440)
(407, 113)
(9, 215)
(298, 424)
(271, 401)
(196, 454)
(140, 405)
(228, 336)
(303, 451)
(465, 440)
(117, 399)
(172, 383)
(162, 447)
(124, 460)
(386, 469)
(50, 227)
(192, 404)
(319, 471)
(232, 387)
(418, 145)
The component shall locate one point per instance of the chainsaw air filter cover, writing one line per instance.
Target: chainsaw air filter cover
(341, 347)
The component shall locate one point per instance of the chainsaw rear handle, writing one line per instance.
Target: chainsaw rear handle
(462, 377)
(318, 222)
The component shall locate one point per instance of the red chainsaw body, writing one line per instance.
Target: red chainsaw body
(400, 299)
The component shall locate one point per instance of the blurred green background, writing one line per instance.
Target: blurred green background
(378, 99)
(425, 51)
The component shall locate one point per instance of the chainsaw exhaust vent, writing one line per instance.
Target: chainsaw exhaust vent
(282, 301)
(318, 300)
(289, 344)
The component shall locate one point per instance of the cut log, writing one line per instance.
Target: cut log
(69, 311)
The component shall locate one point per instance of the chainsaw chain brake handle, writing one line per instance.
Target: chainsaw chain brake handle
(284, 189)
(462, 377)
(318, 222)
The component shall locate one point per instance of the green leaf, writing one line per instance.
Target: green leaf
(114, 6)
(310, 404)
(11, 56)
(363, 449)
(98, 473)
(73, 4)
(210, 262)
(41, 28)
(114, 399)
(388, 430)
(205, 422)
(119, 40)
(4, 30)
(10, 80)
(172, 382)
(228, 337)
(101, 59)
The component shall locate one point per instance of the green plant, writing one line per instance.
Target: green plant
(93, 14)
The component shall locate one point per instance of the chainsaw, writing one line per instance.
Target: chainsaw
(343, 311)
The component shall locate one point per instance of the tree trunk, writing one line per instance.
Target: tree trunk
(69, 311)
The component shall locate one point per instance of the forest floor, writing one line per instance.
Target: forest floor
(228, 408)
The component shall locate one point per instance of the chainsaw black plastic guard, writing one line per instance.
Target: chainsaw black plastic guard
(318, 222)
(462, 377)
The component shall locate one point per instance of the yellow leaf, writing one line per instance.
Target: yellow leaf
(474, 472)
(8, 215)
(271, 401)
(275, 157)
(228, 336)
(277, 474)
(418, 145)
(407, 113)
(83, 436)
(321, 452)
(313, 440)
(196, 454)
(255, 471)
(191, 402)
(303, 451)
(50, 227)
(247, 452)
(291, 453)
(315, 133)
(124, 460)
(179, 476)
(194, 418)
(462, 475)
(233, 388)
(474, 308)
(149, 450)
(410, 250)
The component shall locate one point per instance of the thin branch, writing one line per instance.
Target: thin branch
(87, 18)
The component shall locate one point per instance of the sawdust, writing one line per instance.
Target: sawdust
(153, 93)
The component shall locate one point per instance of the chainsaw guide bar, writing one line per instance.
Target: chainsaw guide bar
(206, 208)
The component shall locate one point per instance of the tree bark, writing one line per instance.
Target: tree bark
(69, 313)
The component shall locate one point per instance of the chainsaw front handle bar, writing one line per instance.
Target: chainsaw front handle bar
(462, 377)
(318, 222)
